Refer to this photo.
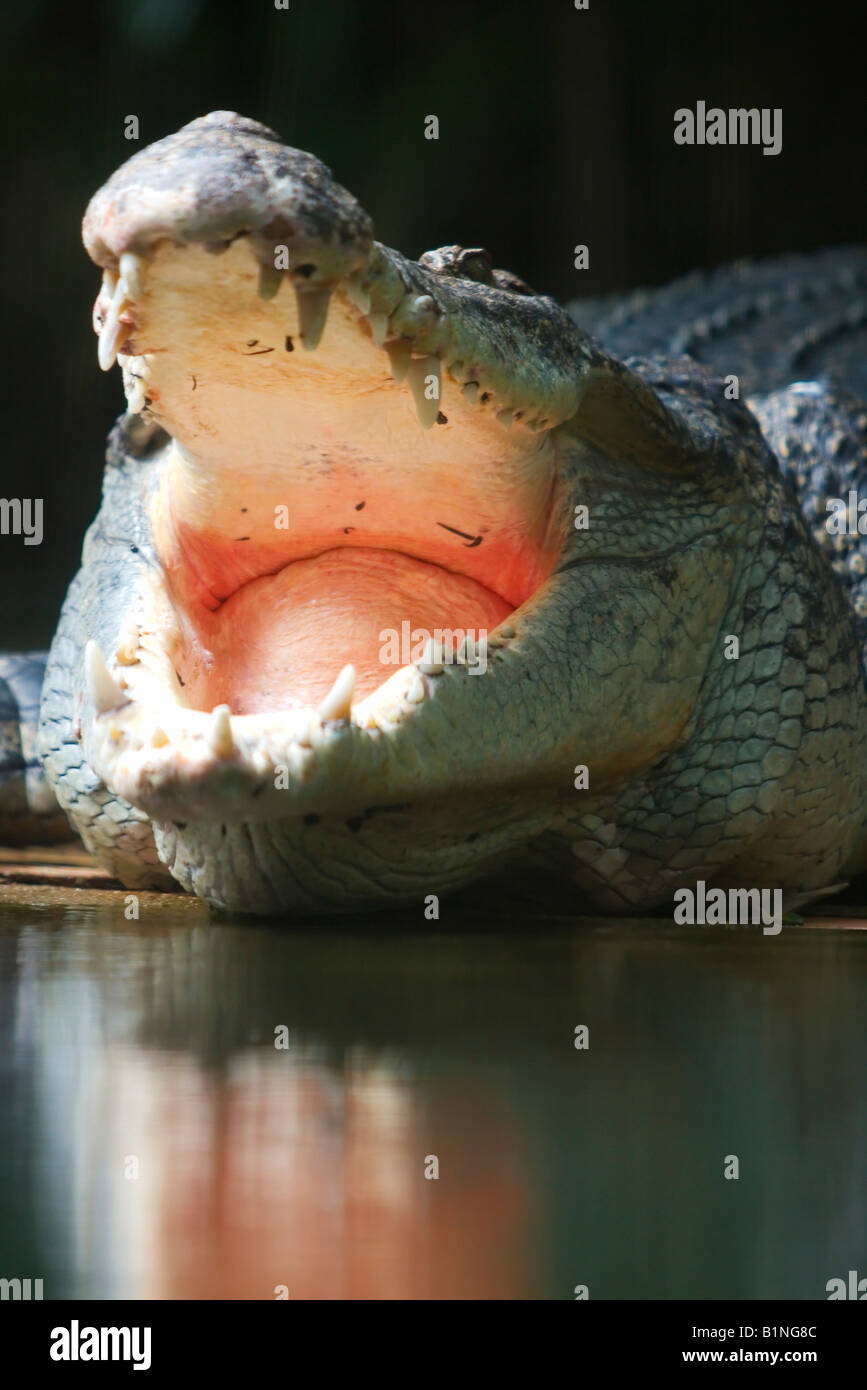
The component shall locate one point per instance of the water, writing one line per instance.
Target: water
(156, 1143)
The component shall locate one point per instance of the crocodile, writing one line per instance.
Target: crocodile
(407, 578)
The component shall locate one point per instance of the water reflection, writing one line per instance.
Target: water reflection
(156, 1143)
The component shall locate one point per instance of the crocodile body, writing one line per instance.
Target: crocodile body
(792, 319)
(673, 683)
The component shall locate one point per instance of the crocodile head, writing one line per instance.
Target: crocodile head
(424, 580)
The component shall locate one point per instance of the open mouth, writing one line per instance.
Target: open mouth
(359, 486)
(317, 500)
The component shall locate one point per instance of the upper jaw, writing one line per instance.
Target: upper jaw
(518, 356)
(222, 175)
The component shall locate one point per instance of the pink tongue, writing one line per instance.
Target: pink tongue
(280, 641)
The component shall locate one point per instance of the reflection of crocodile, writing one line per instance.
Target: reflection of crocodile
(215, 700)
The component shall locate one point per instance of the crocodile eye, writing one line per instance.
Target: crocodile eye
(475, 265)
(463, 262)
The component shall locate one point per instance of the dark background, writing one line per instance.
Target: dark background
(556, 128)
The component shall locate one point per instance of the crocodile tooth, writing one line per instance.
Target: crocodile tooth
(134, 270)
(431, 658)
(415, 694)
(120, 298)
(424, 307)
(420, 369)
(109, 280)
(127, 644)
(312, 313)
(113, 331)
(220, 732)
(269, 281)
(308, 736)
(505, 418)
(159, 738)
(338, 702)
(109, 339)
(102, 689)
(356, 292)
(378, 327)
(471, 391)
(136, 395)
(399, 354)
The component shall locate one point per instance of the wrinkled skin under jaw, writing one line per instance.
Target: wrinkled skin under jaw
(363, 587)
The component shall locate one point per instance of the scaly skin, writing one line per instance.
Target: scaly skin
(745, 772)
(28, 811)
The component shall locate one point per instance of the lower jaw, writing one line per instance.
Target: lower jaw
(279, 641)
